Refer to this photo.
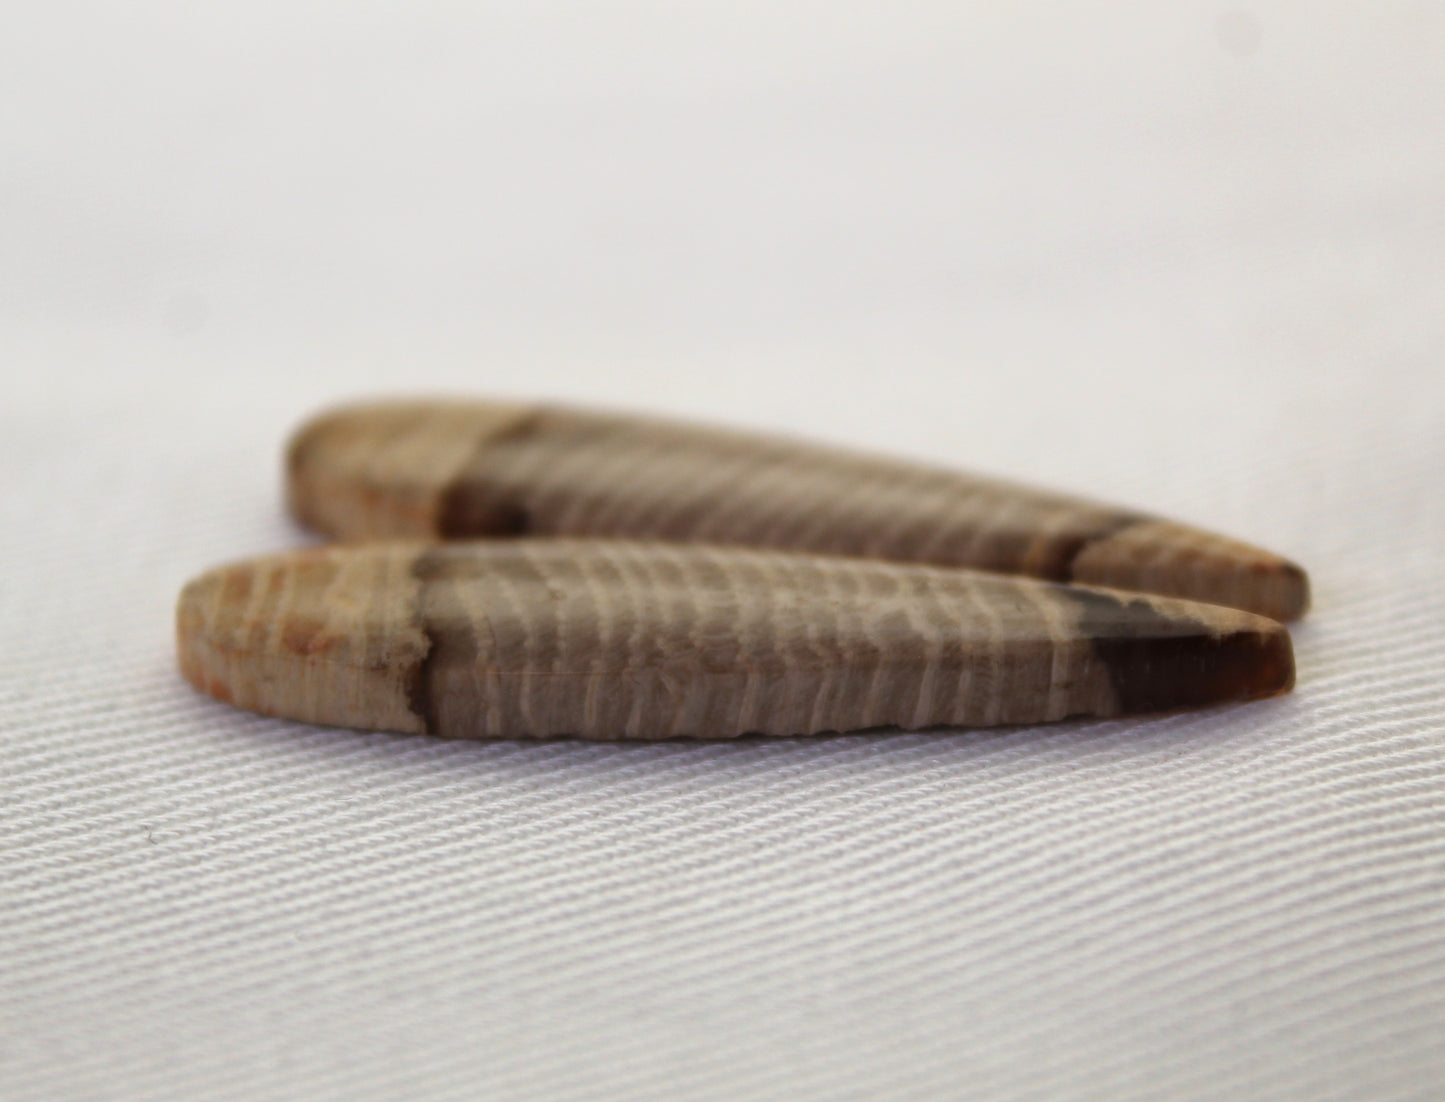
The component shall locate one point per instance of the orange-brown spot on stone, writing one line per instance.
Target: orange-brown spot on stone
(220, 690)
(303, 635)
(236, 586)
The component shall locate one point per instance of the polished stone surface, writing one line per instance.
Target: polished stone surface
(466, 469)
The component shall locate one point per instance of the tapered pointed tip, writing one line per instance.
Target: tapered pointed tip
(1179, 561)
(1167, 655)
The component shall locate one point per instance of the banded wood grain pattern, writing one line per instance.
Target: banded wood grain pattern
(613, 639)
(461, 469)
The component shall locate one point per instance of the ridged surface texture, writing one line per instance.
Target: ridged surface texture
(458, 469)
(610, 639)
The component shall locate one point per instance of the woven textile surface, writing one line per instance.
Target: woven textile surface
(1184, 258)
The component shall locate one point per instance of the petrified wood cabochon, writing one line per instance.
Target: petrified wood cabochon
(613, 639)
(459, 469)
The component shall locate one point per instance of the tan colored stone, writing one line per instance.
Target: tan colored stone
(615, 639)
(462, 470)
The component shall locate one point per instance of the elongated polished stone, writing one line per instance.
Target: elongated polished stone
(615, 639)
(479, 469)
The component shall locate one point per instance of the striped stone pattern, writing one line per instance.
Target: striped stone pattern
(461, 470)
(611, 639)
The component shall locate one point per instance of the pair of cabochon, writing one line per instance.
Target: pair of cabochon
(659, 579)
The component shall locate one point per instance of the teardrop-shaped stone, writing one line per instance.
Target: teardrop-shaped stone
(614, 639)
(461, 470)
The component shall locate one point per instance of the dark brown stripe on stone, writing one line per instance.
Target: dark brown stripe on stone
(1058, 564)
(466, 510)
(419, 696)
(1159, 663)
(465, 514)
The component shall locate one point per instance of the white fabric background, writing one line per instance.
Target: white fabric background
(1178, 255)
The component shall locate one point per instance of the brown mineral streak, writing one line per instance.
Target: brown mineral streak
(615, 639)
(464, 470)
